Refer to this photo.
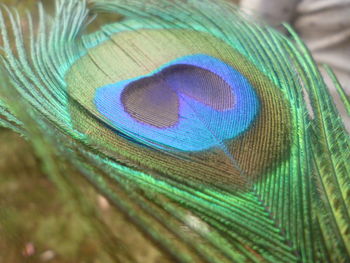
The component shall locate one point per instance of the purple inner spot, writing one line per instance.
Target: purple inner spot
(154, 100)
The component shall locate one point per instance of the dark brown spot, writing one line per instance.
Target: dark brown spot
(150, 100)
(200, 84)
(155, 100)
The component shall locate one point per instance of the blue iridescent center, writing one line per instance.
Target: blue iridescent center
(200, 102)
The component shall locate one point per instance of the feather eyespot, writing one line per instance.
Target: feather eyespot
(186, 90)
(195, 104)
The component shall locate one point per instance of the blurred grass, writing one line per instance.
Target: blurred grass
(33, 215)
(36, 223)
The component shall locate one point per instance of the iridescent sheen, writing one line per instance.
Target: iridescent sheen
(199, 124)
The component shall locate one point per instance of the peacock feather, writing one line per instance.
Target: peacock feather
(192, 120)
